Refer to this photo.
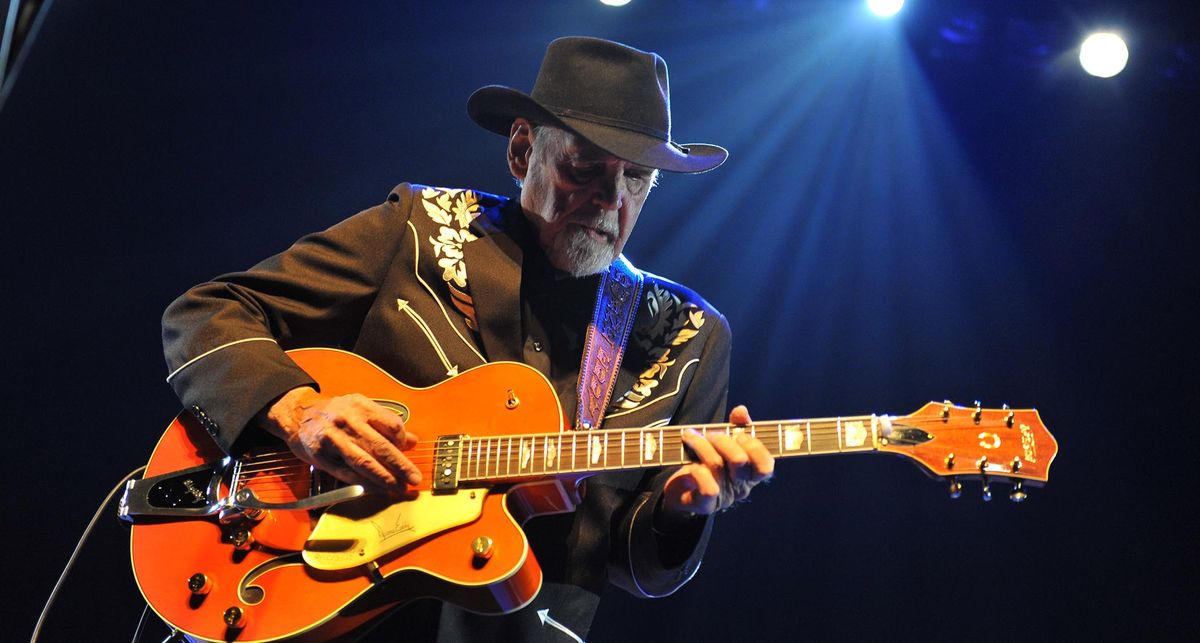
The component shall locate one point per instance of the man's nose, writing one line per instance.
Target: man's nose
(609, 191)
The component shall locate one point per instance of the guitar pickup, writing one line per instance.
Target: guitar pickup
(445, 463)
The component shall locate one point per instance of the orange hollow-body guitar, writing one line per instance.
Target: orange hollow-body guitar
(262, 548)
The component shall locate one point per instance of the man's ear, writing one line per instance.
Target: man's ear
(520, 147)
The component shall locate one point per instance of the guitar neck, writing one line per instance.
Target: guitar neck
(513, 457)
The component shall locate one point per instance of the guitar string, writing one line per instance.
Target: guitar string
(827, 429)
(425, 452)
(492, 462)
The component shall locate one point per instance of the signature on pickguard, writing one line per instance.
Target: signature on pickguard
(401, 525)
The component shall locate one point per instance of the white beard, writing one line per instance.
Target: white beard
(576, 252)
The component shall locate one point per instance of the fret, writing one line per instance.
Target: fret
(622, 449)
(682, 451)
(573, 461)
(839, 434)
(533, 455)
(482, 454)
(808, 432)
(660, 449)
(459, 466)
(779, 437)
(471, 457)
(606, 449)
(497, 457)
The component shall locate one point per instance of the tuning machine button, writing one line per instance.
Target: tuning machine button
(978, 414)
(986, 487)
(955, 488)
(1010, 418)
(1018, 492)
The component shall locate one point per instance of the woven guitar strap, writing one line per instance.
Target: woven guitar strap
(616, 305)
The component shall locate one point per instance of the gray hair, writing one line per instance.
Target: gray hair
(551, 137)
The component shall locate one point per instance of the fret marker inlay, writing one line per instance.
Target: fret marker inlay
(793, 437)
(856, 434)
(526, 454)
(651, 448)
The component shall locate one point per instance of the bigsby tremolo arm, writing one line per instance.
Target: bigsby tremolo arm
(245, 499)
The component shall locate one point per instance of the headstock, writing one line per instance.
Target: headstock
(975, 443)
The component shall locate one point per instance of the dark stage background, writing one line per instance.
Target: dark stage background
(981, 221)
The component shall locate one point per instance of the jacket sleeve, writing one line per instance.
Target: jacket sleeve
(224, 340)
(652, 559)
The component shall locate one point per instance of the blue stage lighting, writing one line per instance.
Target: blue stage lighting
(885, 8)
(615, 3)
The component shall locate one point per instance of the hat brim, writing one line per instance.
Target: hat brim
(495, 107)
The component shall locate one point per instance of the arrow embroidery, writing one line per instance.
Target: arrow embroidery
(546, 620)
(402, 306)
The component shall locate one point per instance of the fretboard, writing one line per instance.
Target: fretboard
(534, 455)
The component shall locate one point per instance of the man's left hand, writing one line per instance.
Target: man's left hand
(727, 467)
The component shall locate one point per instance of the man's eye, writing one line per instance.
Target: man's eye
(585, 173)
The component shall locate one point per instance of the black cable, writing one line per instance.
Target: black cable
(37, 630)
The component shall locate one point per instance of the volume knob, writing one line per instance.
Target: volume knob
(483, 547)
(199, 584)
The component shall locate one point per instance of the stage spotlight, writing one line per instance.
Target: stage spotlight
(615, 3)
(885, 8)
(1103, 55)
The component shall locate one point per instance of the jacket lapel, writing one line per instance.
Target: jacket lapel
(493, 263)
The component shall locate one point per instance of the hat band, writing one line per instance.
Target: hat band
(611, 122)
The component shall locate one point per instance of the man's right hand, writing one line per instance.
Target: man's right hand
(349, 436)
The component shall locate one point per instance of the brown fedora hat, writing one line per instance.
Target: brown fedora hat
(613, 95)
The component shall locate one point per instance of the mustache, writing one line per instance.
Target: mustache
(604, 224)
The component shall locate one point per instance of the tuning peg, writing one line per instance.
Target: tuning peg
(978, 415)
(987, 490)
(955, 488)
(1018, 492)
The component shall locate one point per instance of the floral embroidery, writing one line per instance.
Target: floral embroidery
(454, 210)
(673, 324)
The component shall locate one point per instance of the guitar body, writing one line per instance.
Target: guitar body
(341, 588)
